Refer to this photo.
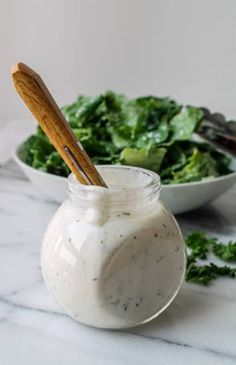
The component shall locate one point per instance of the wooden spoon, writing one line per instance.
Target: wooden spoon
(40, 102)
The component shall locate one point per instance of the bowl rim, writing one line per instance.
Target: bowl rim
(231, 175)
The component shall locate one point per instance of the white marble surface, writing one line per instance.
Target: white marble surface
(198, 328)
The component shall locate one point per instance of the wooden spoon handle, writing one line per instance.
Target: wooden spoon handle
(40, 102)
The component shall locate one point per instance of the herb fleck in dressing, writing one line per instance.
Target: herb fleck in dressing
(122, 270)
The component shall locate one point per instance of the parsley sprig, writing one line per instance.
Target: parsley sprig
(200, 246)
(225, 252)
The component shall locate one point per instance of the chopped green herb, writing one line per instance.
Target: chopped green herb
(204, 274)
(200, 246)
(226, 252)
(125, 306)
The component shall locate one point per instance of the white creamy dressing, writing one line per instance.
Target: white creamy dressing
(113, 269)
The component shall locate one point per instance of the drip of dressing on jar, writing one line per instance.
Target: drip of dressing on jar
(97, 214)
(114, 258)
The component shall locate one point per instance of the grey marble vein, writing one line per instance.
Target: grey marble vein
(186, 345)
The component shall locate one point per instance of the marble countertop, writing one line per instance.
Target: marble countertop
(198, 328)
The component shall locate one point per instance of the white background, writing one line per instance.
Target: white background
(182, 48)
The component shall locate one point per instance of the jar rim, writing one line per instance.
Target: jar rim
(153, 180)
(131, 189)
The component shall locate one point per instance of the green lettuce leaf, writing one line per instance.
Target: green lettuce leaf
(149, 132)
(149, 158)
(199, 165)
(184, 124)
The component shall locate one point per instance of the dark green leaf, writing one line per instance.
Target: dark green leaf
(144, 132)
(204, 274)
(226, 252)
(200, 246)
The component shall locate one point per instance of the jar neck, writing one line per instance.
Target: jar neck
(129, 189)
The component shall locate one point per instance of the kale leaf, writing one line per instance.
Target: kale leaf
(150, 132)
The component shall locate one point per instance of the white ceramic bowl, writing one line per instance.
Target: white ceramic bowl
(179, 198)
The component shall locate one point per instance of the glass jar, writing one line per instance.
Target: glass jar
(114, 258)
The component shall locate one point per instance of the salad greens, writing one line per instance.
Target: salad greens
(199, 246)
(150, 132)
